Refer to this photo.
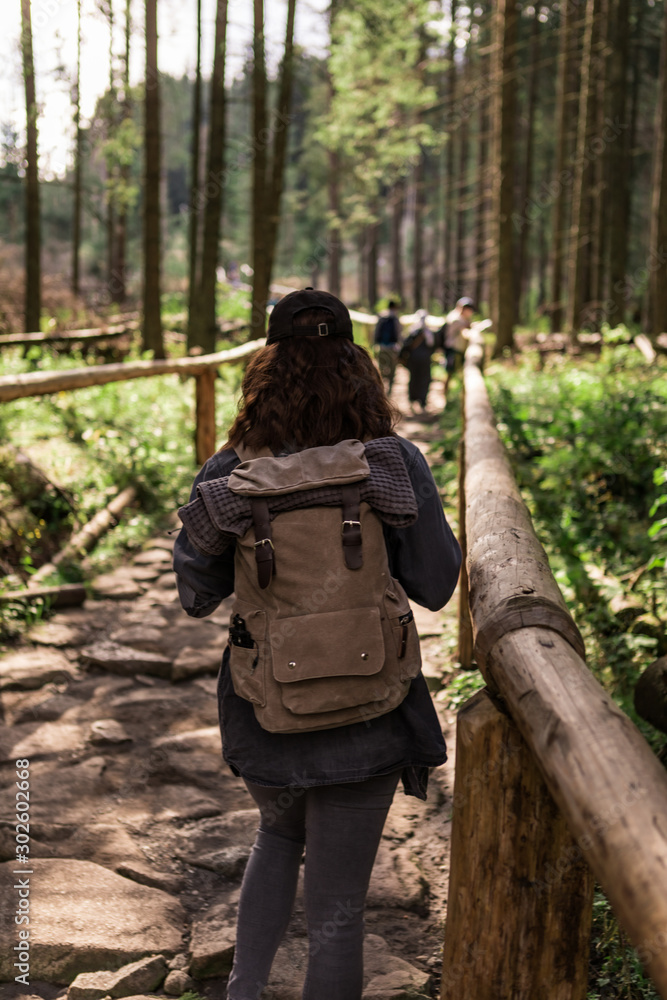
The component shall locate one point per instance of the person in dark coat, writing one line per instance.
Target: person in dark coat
(423, 344)
(329, 789)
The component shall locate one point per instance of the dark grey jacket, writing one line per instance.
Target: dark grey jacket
(425, 558)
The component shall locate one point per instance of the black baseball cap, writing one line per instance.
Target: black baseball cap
(281, 320)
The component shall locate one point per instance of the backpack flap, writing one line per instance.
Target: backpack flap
(329, 660)
(328, 465)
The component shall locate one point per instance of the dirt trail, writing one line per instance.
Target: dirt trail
(138, 833)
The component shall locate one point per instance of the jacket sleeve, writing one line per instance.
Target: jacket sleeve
(204, 581)
(425, 557)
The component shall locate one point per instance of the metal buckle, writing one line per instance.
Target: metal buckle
(264, 541)
(319, 330)
(349, 522)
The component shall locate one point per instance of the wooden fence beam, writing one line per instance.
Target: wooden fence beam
(43, 383)
(68, 336)
(597, 766)
(520, 894)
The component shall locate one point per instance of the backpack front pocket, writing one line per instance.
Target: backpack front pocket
(324, 662)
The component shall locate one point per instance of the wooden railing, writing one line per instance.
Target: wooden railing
(203, 368)
(553, 783)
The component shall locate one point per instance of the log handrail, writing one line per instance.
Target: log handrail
(595, 762)
(203, 368)
(43, 383)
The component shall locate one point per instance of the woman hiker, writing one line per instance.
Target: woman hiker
(310, 397)
(421, 342)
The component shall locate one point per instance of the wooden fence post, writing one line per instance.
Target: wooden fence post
(520, 894)
(205, 415)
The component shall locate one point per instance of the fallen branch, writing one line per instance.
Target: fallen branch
(85, 539)
(66, 596)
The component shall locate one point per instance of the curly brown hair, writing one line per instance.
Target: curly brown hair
(310, 391)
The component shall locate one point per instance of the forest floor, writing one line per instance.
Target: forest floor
(139, 834)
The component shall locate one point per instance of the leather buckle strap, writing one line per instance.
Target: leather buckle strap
(351, 526)
(263, 542)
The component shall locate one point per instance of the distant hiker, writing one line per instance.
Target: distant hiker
(322, 522)
(387, 340)
(455, 337)
(416, 355)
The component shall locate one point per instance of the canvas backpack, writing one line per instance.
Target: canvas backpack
(321, 635)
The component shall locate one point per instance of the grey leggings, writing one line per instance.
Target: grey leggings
(341, 826)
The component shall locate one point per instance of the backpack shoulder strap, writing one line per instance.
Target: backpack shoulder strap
(352, 526)
(261, 520)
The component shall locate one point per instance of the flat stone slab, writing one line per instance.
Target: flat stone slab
(108, 732)
(386, 977)
(33, 668)
(40, 739)
(397, 881)
(142, 574)
(125, 660)
(196, 662)
(117, 586)
(48, 710)
(63, 794)
(152, 556)
(84, 918)
(140, 637)
(207, 739)
(54, 634)
(146, 974)
(230, 861)
(144, 875)
(212, 943)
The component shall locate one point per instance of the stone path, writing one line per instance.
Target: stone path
(139, 835)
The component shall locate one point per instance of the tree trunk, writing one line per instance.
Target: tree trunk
(524, 259)
(119, 286)
(193, 228)
(503, 305)
(418, 236)
(562, 150)
(449, 292)
(203, 328)
(78, 153)
(461, 210)
(334, 230)
(371, 254)
(482, 170)
(397, 208)
(580, 230)
(260, 284)
(657, 302)
(33, 246)
(110, 161)
(333, 189)
(279, 136)
(619, 166)
(597, 311)
(152, 319)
